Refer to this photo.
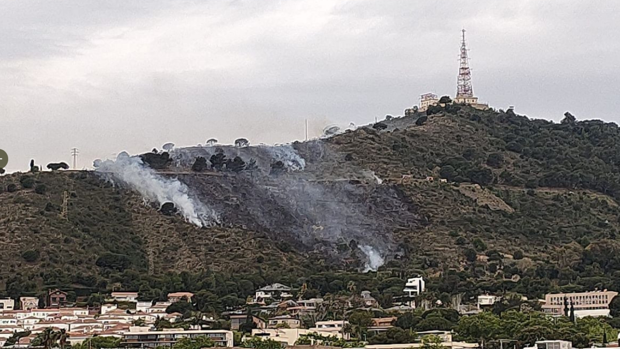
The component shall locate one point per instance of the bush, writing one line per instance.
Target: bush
(31, 256)
(471, 255)
(113, 261)
(27, 182)
(479, 245)
(518, 254)
(11, 188)
(40, 189)
(495, 160)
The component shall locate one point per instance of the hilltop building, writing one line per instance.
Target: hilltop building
(464, 87)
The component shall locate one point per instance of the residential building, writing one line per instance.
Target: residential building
(141, 338)
(288, 336)
(237, 320)
(414, 286)
(595, 303)
(56, 299)
(368, 300)
(276, 291)
(551, 344)
(6, 304)
(332, 327)
(427, 100)
(486, 301)
(179, 296)
(284, 321)
(125, 296)
(27, 303)
(382, 324)
(7, 321)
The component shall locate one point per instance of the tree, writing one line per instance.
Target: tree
(168, 147)
(448, 172)
(62, 336)
(31, 256)
(569, 119)
(27, 182)
(432, 342)
(194, 343)
(11, 188)
(241, 142)
(434, 323)
(200, 164)
(479, 328)
(56, 166)
(495, 160)
(113, 261)
(380, 126)
(98, 342)
(181, 306)
(258, 343)
(218, 161)
(518, 254)
(445, 100)
(168, 209)
(422, 119)
(236, 165)
(47, 338)
(211, 142)
(479, 245)
(277, 168)
(470, 255)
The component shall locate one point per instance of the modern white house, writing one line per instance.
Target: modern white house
(276, 291)
(486, 300)
(414, 286)
(125, 296)
(6, 304)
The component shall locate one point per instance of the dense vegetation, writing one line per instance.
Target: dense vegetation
(544, 218)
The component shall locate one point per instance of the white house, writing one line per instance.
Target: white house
(125, 296)
(6, 304)
(106, 308)
(7, 321)
(486, 300)
(143, 306)
(414, 286)
(275, 291)
(333, 327)
(28, 303)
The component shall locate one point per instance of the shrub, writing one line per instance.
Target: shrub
(11, 188)
(471, 255)
(479, 245)
(30, 256)
(27, 182)
(40, 189)
(495, 160)
(518, 254)
(113, 261)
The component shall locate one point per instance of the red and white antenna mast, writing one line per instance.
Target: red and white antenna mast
(464, 88)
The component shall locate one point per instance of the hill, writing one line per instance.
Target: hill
(527, 206)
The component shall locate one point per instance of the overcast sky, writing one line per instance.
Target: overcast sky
(114, 75)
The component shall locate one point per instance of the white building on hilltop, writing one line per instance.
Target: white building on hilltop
(414, 286)
(7, 304)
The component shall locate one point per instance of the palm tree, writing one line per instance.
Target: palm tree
(62, 338)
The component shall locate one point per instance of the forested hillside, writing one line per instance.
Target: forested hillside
(529, 206)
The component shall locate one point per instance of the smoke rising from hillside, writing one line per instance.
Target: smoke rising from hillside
(131, 171)
(375, 260)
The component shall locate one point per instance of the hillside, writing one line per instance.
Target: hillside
(528, 206)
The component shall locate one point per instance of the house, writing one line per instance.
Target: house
(289, 336)
(368, 300)
(6, 304)
(551, 344)
(382, 324)
(332, 327)
(427, 100)
(237, 320)
(125, 296)
(139, 337)
(106, 308)
(7, 321)
(486, 301)
(414, 286)
(143, 306)
(276, 291)
(179, 296)
(27, 303)
(56, 299)
(284, 321)
(595, 303)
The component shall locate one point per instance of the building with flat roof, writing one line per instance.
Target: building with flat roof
(7, 304)
(139, 338)
(595, 303)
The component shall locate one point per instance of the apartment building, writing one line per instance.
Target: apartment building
(595, 303)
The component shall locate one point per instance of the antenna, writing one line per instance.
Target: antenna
(74, 153)
(464, 87)
(306, 122)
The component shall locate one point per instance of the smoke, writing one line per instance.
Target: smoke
(287, 154)
(131, 171)
(374, 258)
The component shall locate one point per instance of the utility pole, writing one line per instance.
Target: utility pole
(306, 130)
(74, 153)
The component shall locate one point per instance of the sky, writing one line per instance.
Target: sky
(116, 75)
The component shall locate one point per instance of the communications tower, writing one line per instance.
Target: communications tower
(464, 88)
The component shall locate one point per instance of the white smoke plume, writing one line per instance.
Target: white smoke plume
(375, 260)
(155, 188)
(287, 154)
